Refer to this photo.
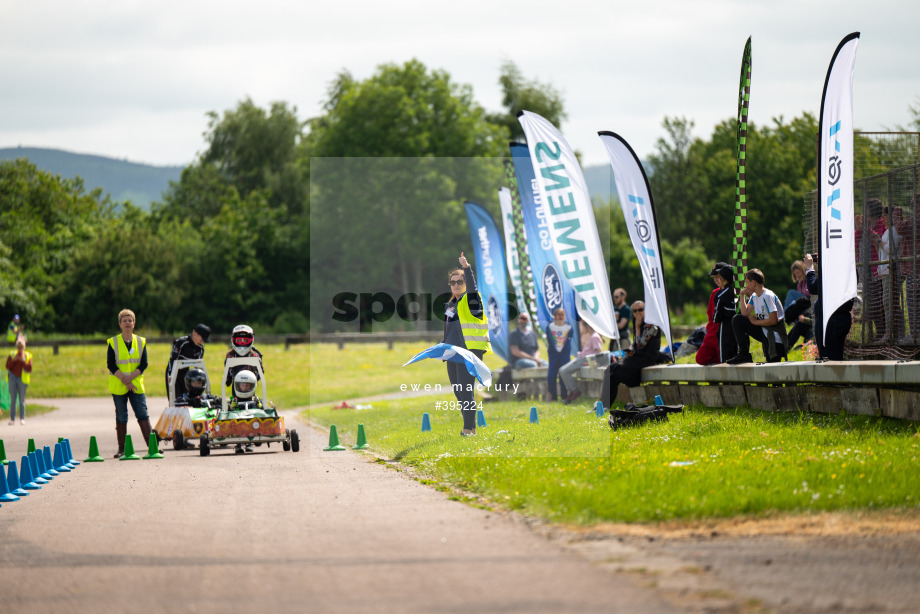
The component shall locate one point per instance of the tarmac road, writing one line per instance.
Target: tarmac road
(271, 531)
(313, 531)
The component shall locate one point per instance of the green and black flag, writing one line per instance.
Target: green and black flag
(520, 236)
(739, 252)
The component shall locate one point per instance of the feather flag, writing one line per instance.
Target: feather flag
(491, 275)
(445, 352)
(836, 234)
(739, 253)
(570, 219)
(639, 211)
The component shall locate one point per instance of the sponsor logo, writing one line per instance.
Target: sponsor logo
(552, 289)
(494, 316)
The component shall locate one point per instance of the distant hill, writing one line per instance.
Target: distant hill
(142, 184)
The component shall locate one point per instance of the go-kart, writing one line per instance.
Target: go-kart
(186, 417)
(252, 421)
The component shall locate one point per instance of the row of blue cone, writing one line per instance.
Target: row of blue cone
(534, 419)
(37, 468)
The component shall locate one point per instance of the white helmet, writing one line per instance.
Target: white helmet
(242, 339)
(244, 385)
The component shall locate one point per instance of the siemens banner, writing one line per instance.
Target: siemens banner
(490, 274)
(570, 221)
(553, 291)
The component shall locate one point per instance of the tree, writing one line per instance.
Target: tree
(43, 220)
(519, 94)
(392, 160)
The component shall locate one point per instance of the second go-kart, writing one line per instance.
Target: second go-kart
(187, 415)
(246, 419)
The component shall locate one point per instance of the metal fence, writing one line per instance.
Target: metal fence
(885, 314)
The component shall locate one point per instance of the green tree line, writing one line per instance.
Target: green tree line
(366, 197)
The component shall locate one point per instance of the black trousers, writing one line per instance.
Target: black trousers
(744, 330)
(831, 341)
(463, 383)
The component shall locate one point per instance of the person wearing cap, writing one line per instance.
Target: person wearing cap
(14, 330)
(188, 347)
(719, 344)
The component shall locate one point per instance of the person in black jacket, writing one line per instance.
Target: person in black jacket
(830, 342)
(644, 352)
(188, 347)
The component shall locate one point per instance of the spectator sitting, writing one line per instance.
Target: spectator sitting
(559, 348)
(719, 342)
(761, 317)
(642, 353)
(801, 288)
(801, 315)
(831, 341)
(525, 351)
(591, 344)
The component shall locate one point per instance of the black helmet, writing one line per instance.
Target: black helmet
(196, 380)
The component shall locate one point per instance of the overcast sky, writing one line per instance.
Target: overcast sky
(133, 80)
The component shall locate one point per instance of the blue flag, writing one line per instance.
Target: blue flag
(553, 291)
(445, 352)
(491, 276)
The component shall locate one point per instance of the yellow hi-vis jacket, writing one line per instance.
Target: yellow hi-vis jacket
(475, 330)
(127, 362)
(26, 376)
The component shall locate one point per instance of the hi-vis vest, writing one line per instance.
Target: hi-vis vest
(475, 330)
(127, 362)
(12, 332)
(26, 376)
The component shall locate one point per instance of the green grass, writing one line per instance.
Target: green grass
(701, 464)
(366, 369)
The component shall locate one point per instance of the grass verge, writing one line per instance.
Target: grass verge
(703, 463)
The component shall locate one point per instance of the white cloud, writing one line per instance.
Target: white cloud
(134, 80)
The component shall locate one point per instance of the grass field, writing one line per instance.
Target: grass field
(703, 463)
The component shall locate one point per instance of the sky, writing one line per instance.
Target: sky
(134, 80)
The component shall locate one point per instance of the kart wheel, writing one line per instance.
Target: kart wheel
(286, 444)
(178, 440)
(205, 447)
(295, 441)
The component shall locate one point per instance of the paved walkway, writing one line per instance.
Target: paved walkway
(272, 531)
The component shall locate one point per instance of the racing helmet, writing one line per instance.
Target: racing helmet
(242, 339)
(244, 385)
(196, 380)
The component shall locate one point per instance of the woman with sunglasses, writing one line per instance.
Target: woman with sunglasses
(465, 326)
(644, 352)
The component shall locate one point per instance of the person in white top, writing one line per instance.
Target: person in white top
(559, 347)
(591, 344)
(760, 309)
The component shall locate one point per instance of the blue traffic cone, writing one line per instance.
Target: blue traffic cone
(426, 422)
(59, 463)
(480, 418)
(533, 416)
(42, 467)
(5, 494)
(49, 466)
(12, 480)
(25, 475)
(599, 409)
(658, 400)
(37, 476)
(70, 459)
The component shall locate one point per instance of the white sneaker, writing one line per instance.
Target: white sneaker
(22, 421)
(13, 421)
